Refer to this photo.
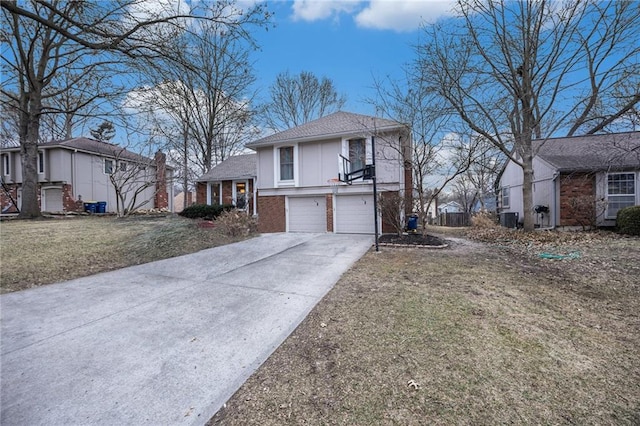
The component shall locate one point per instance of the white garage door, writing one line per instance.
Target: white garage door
(354, 214)
(307, 214)
(52, 200)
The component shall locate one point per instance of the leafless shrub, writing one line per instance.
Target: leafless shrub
(484, 220)
(236, 223)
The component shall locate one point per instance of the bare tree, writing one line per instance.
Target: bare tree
(301, 98)
(518, 71)
(46, 38)
(439, 152)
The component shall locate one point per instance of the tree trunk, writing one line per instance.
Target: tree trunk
(29, 156)
(527, 193)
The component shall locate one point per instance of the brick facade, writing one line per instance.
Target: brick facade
(69, 203)
(271, 217)
(227, 192)
(577, 199)
(386, 226)
(5, 198)
(161, 198)
(201, 193)
(329, 203)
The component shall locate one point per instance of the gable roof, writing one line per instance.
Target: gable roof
(96, 147)
(237, 167)
(615, 151)
(330, 126)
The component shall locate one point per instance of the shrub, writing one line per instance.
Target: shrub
(484, 220)
(628, 220)
(236, 223)
(205, 211)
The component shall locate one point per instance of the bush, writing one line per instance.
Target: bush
(205, 211)
(484, 220)
(628, 220)
(236, 223)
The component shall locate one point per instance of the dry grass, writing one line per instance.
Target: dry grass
(40, 252)
(489, 333)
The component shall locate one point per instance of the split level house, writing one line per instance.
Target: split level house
(579, 181)
(297, 185)
(78, 170)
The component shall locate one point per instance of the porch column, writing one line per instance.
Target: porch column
(209, 193)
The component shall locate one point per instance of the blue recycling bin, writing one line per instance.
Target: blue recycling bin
(90, 206)
(412, 224)
(101, 207)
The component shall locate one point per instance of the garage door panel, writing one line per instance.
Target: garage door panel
(307, 214)
(52, 199)
(354, 214)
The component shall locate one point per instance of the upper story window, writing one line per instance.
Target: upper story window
(621, 192)
(6, 164)
(357, 154)
(286, 162)
(108, 166)
(40, 162)
(123, 166)
(504, 196)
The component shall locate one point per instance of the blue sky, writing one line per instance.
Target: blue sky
(350, 42)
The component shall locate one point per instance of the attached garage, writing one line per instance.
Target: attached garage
(354, 214)
(307, 214)
(52, 200)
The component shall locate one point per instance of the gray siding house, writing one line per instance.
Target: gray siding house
(79, 169)
(297, 172)
(579, 181)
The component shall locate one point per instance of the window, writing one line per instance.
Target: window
(504, 196)
(123, 166)
(108, 166)
(6, 164)
(40, 162)
(621, 192)
(357, 154)
(240, 195)
(286, 163)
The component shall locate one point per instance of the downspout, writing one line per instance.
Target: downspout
(255, 197)
(556, 213)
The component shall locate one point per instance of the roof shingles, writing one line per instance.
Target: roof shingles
(591, 152)
(236, 167)
(336, 124)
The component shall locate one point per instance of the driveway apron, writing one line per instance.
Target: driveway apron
(167, 342)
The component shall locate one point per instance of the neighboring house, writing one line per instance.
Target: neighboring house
(79, 169)
(578, 181)
(232, 181)
(297, 170)
(487, 203)
(450, 207)
(179, 200)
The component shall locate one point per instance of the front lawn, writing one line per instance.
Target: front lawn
(37, 252)
(480, 333)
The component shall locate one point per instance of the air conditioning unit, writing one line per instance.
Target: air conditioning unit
(509, 220)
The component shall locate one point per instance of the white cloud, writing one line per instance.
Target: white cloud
(314, 10)
(396, 15)
(404, 15)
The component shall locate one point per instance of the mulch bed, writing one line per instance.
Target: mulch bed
(412, 240)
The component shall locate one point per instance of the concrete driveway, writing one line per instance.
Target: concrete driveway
(163, 343)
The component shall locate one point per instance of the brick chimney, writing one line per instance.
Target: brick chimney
(161, 200)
